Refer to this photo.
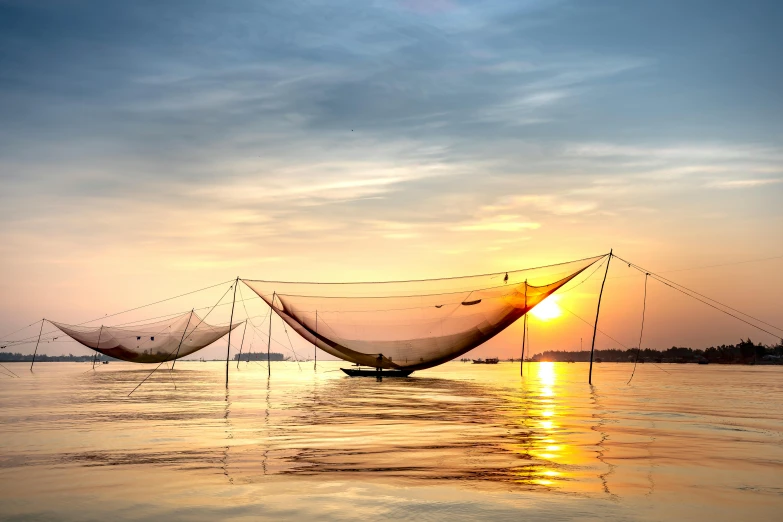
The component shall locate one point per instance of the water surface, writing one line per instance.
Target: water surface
(457, 442)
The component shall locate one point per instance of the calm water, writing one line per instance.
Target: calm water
(458, 442)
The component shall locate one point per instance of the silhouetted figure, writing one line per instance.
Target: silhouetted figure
(379, 362)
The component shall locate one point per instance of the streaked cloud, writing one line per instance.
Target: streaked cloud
(745, 183)
(501, 223)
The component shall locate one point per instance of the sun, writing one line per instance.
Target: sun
(547, 309)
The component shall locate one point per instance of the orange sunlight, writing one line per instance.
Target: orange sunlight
(547, 309)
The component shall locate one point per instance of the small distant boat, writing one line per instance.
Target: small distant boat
(358, 372)
(491, 360)
(105, 362)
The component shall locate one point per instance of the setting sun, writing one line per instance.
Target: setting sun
(547, 309)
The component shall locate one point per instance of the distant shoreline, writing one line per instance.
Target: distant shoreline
(746, 352)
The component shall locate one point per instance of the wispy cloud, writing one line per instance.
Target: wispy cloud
(745, 183)
(549, 204)
(500, 223)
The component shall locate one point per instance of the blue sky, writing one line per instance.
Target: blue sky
(179, 142)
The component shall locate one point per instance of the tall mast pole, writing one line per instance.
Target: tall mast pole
(524, 334)
(37, 343)
(230, 324)
(597, 311)
(269, 338)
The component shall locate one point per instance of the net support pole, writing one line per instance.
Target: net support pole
(524, 334)
(230, 324)
(595, 326)
(184, 333)
(37, 343)
(269, 337)
(241, 344)
(95, 357)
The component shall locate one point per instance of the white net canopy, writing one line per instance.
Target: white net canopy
(149, 343)
(412, 325)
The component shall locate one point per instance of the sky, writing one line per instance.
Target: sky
(152, 148)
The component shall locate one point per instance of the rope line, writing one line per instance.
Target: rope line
(156, 302)
(583, 280)
(660, 277)
(265, 335)
(641, 331)
(689, 293)
(19, 330)
(8, 370)
(193, 330)
(296, 357)
(722, 264)
(423, 280)
(588, 323)
(24, 339)
(705, 266)
(454, 292)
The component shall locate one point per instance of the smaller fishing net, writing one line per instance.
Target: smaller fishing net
(149, 343)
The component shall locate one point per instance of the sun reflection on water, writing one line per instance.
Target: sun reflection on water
(546, 373)
(545, 449)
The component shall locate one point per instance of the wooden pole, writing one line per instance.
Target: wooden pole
(94, 357)
(597, 311)
(315, 346)
(524, 334)
(37, 343)
(230, 324)
(242, 343)
(184, 333)
(269, 338)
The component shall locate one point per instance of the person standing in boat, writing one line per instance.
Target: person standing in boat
(379, 362)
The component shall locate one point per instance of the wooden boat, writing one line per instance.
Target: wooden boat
(372, 372)
(491, 360)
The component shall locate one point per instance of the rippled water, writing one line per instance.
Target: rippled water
(456, 442)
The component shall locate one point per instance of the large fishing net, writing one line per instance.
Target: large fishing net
(149, 343)
(412, 324)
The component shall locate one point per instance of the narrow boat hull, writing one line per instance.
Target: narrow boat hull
(356, 372)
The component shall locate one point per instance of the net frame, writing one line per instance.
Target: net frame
(156, 342)
(414, 324)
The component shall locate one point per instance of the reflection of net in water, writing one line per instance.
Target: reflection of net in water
(338, 428)
(149, 343)
(412, 324)
(420, 429)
